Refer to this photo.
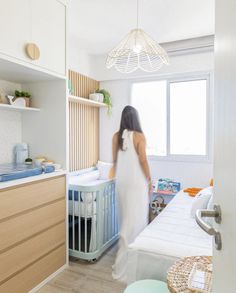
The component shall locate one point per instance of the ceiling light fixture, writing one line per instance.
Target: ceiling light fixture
(137, 50)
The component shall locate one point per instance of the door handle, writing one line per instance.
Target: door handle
(216, 214)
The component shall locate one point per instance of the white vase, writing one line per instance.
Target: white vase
(96, 97)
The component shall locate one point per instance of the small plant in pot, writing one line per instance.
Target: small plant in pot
(106, 100)
(24, 95)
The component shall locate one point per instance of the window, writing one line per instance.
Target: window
(149, 98)
(173, 115)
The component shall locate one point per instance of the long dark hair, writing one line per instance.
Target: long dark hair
(130, 121)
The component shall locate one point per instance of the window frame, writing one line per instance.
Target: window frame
(208, 158)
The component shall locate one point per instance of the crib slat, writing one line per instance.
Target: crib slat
(79, 219)
(73, 219)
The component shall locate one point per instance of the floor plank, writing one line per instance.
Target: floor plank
(84, 277)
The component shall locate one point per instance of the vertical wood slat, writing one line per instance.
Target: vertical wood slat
(83, 124)
(82, 85)
(83, 135)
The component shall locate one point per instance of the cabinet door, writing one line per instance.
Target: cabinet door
(14, 27)
(49, 33)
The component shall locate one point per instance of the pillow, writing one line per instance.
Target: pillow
(210, 205)
(104, 170)
(201, 200)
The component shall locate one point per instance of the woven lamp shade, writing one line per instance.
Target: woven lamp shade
(137, 51)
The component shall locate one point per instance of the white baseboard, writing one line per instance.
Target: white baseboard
(49, 278)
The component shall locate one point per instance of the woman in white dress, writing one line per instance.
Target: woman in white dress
(133, 183)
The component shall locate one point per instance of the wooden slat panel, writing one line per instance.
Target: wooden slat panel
(35, 273)
(83, 135)
(82, 85)
(83, 124)
(18, 258)
(30, 196)
(19, 228)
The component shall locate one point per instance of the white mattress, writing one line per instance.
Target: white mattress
(172, 235)
(86, 207)
(86, 179)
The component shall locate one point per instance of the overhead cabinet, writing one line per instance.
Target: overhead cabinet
(42, 22)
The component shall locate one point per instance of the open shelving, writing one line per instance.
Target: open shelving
(16, 108)
(86, 101)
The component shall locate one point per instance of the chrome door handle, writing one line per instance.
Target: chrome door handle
(216, 214)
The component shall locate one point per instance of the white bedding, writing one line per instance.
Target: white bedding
(172, 235)
(87, 206)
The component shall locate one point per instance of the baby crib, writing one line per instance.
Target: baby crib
(93, 222)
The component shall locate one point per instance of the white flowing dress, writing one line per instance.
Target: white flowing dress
(133, 201)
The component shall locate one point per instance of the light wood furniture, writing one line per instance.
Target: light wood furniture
(82, 85)
(178, 275)
(33, 233)
(83, 135)
(83, 123)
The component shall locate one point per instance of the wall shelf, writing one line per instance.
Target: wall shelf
(86, 101)
(15, 108)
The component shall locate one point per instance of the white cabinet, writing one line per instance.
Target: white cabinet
(14, 27)
(49, 33)
(42, 22)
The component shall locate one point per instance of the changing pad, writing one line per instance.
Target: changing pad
(16, 171)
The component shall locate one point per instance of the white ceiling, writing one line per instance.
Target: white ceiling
(98, 25)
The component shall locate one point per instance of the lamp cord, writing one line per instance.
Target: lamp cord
(137, 23)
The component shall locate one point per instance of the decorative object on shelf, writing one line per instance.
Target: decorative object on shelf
(18, 102)
(156, 206)
(24, 95)
(167, 186)
(21, 153)
(39, 160)
(28, 161)
(181, 276)
(137, 50)
(32, 51)
(106, 100)
(97, 97)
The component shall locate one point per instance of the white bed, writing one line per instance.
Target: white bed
(172, 235)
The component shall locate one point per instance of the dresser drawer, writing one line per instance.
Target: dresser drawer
(35, 273)
(26, 225)
(26, 253)
(31, 195)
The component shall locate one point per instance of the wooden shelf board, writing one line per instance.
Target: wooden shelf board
(15, 108)
(86, 101)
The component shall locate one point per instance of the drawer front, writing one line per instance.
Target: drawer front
(22, 198)
(24, 226)
(35, 273)
(19, 257)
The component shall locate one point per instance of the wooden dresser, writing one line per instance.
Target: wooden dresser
(32, 233)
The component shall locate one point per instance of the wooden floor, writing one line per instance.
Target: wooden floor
(84, 277)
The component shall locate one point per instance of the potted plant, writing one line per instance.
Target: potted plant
(24, 95)
(106, 100)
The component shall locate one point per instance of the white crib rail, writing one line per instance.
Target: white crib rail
(93, 221)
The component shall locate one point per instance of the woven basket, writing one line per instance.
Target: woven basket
(179, 274)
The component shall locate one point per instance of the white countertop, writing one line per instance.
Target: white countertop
(16, 182)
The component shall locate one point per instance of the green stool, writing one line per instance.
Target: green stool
(147, 286)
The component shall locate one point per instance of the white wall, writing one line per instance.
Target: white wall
(78, 60)
(10, 124)
(46, 131)
(189, 173)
